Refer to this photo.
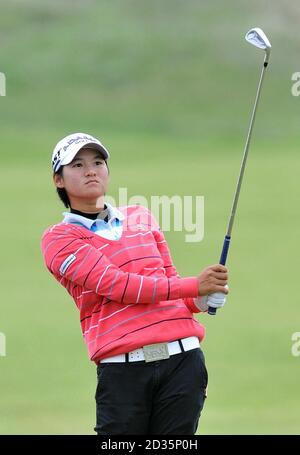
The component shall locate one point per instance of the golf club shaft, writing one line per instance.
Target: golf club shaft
(226, 244)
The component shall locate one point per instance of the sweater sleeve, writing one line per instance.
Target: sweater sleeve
(68, 253)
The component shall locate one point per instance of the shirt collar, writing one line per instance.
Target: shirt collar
(114, 213)
(87, 222)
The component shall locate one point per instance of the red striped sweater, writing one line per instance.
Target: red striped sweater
(128, 292)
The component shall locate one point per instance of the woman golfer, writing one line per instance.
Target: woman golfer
(136, 312)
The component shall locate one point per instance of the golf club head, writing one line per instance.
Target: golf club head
(257, 37)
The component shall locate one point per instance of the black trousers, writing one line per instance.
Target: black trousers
(161, 397)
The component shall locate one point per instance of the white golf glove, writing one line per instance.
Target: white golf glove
(215, 300)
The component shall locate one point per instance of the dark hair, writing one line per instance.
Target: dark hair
(62, 194)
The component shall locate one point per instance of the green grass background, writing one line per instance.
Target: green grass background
(168, 86)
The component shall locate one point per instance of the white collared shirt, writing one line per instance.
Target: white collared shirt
(111, 230)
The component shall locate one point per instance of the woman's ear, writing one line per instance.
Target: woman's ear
(58, 181)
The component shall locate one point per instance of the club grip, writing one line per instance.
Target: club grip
(225, 250)
(212, 311)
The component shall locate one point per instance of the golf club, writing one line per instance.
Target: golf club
(256, 37)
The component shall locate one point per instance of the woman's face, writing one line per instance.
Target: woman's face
(85, 179)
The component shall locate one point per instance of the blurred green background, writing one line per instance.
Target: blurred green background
(168, 86)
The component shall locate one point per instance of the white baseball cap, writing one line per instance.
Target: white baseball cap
(66, 149)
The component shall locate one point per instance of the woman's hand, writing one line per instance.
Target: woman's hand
(213, 279)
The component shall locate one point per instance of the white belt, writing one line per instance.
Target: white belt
(173, 348)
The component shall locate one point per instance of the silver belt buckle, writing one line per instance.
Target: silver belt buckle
(158, 351)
